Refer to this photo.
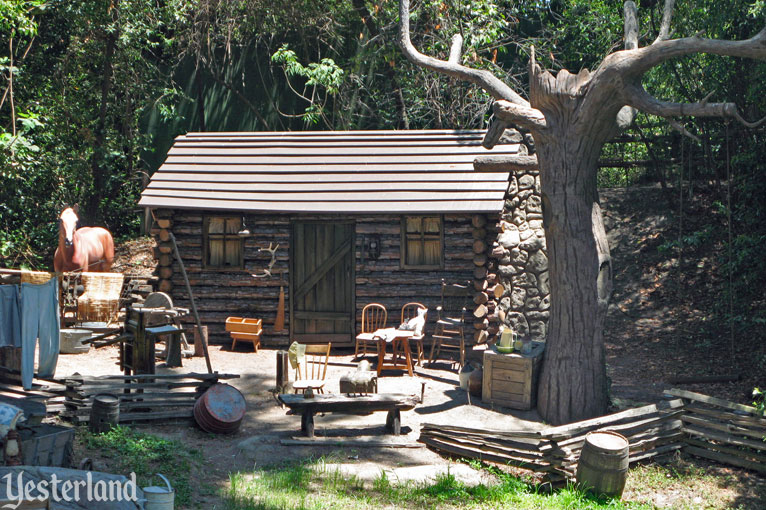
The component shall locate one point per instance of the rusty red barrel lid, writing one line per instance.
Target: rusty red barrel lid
(220, 410)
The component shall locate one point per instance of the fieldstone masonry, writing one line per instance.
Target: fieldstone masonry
(521, 258)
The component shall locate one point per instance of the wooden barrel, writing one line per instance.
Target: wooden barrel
(220, 410)
(105, 413)
(475, 381)
(603, 465)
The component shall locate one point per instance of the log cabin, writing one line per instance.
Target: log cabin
(350, 217)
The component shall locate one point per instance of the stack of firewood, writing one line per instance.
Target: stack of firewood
(723, 431)
(651, 430)
(487, 315)
(143, 397)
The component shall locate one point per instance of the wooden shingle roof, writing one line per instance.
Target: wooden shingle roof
(329, 172)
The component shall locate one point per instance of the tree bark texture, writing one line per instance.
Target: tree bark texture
(573, 381)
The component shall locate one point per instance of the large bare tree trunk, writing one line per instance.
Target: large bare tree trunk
(573, 381)
(570, 117)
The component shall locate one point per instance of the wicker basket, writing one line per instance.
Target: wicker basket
(36, 277)
(100, 301)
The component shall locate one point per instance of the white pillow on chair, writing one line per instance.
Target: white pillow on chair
(417, 323)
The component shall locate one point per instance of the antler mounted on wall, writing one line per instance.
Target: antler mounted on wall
(267, 271)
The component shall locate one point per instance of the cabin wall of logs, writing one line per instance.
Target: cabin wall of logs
(219, 294)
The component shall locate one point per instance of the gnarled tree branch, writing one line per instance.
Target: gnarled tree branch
(504, 163)
(627, 115)
(524, 117)
(681, 129)
(456, 49)
(484, 79)
(667, 15)
(648, 57)
(630, 12)
(639, 98)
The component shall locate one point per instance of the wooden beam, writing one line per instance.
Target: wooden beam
(504, 163)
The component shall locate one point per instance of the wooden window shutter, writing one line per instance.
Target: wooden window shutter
(422, 242)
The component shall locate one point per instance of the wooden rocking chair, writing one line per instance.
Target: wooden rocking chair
(452, 322)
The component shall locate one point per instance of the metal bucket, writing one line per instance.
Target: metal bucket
(220, 410)
(159, 498)
(70, 341)
(105, 413)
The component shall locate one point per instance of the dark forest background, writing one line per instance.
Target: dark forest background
(94, 91)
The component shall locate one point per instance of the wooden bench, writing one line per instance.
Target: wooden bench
(393, 403)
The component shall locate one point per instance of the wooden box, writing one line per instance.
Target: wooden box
(510, 380)
(248, 330)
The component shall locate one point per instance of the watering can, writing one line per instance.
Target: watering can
(159, 498)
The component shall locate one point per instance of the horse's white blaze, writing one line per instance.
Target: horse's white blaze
(69, 224)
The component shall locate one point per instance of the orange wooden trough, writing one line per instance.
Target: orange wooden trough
(248, 330)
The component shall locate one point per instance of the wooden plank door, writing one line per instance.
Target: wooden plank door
(322, 283)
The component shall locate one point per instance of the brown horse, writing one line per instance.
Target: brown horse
(82, 249)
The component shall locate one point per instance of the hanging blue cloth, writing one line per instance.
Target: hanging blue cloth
(10, 316)
(39, 321)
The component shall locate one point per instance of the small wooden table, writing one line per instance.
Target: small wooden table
(347, 404)
(399, 340)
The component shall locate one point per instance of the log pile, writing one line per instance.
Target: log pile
(486, 316)
(143, 397)
(163, 252)
(651, 430)
(723, 431)
(136, 288)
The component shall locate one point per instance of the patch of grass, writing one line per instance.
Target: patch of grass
(145, 455)
(681, 485)
(309, 486)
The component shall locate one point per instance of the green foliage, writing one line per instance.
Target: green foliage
(145, 455)
(100, 89)
(759, 400)
(311, 485)
(17, 16)
(324, 74)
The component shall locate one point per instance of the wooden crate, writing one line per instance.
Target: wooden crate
(510, 380)
(248, 330)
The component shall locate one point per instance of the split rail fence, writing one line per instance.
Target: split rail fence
(699, 425)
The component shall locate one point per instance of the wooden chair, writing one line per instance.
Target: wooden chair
(409, 311)
(312, 369)
(452, 322)
(374, 317)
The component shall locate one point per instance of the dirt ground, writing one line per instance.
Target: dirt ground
(661, 323)
(257, 442)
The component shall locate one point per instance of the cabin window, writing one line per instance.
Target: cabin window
(223, 246)
(422, 242)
